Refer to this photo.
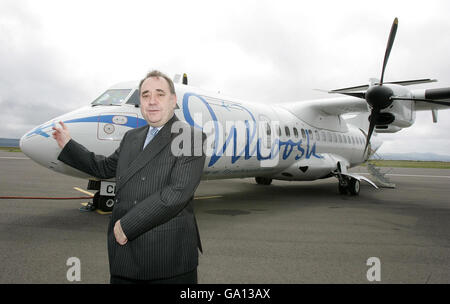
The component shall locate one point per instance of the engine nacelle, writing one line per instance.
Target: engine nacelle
(400, 114)
(387, 129)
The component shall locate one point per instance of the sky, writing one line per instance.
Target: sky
(57, 56)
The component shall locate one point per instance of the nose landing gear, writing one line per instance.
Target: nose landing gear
(103, 202)
(100, 202)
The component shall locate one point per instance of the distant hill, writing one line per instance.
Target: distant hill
(414, 156)
(9, 142)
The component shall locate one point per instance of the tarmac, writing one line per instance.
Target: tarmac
(288, 232)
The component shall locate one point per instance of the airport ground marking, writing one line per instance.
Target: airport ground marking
(207, 197)
(83, 191)
(411, 175)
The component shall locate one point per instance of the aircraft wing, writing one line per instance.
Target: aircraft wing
(350, 104)
(329, 106)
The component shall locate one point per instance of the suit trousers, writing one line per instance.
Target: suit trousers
(184, 278)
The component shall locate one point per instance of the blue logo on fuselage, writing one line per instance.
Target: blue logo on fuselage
(250, 135)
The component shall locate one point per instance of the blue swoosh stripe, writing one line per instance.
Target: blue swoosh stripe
(132, 122)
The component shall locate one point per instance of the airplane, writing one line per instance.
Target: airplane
(295, 141)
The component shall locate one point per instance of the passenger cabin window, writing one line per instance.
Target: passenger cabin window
(295, 132)
(329, 137)
(340, 138)
(316, 133)
(311, 137)
(323, 136)
(112, 97)
(334, 138)
(286, 130)
(303, 134)
(269, 132)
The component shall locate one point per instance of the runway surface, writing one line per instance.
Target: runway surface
(288, 232)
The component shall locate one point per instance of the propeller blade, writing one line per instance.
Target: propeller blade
(439, 93)
(373, 119)
(411, 82)
(357, 88)
(365, 87)
(389, 47)
(421, 99)
(361, 95)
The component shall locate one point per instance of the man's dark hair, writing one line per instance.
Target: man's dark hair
(156, 73)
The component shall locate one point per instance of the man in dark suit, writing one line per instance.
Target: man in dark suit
(153, 235)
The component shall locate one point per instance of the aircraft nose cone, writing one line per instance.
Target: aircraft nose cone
(38, 147)
(23, 146)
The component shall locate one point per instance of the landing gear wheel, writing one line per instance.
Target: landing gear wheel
(101, 202)
(342, 189)
(263, 180)
(354, 186)
(105, 203)
(95, 200)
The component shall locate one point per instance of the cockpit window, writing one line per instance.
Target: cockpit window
(134, 99)
(112, 97)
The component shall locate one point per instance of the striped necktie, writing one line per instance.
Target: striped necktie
(151, 133)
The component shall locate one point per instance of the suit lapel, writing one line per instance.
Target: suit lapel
(136, 144)
(139, 158)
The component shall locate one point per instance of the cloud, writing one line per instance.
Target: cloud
(34, 86)
(58, 56)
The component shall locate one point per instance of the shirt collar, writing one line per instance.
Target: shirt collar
(151, 128)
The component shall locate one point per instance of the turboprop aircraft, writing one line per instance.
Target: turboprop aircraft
(295, 141)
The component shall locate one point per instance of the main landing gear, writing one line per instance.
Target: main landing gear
(348, 185)
(263, 180)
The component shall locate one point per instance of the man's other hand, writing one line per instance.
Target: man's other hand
(121, 238)
(61, 135)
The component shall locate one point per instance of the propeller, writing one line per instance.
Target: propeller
(379, 96)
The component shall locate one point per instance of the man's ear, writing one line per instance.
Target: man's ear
(173, 99)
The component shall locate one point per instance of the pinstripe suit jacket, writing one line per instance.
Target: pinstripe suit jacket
(154, 202)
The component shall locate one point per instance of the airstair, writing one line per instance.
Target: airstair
(379, 177)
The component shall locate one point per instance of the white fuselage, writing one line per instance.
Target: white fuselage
(236, 145)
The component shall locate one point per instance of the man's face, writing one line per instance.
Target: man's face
(157, 103)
